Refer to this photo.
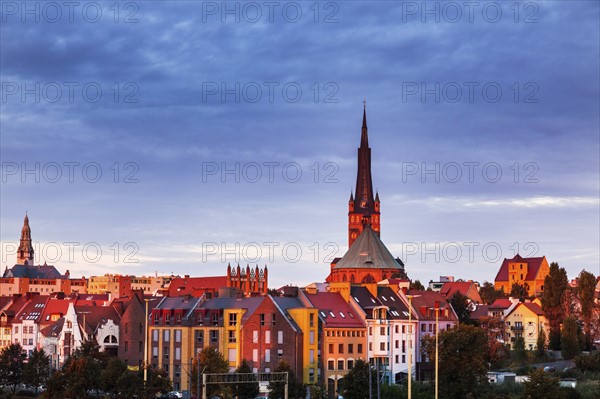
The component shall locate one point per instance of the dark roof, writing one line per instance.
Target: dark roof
(30, 271)
(95, 316)
(34, 309)
(368, 252)
(364, 299)
(54, 329)
(249, 303)
(397, 308)
(533, 266)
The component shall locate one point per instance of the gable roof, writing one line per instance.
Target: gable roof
(33, 310)
(330, 303)
(368, 251)
(532, 306)
(502, 304)
(424, 301)
(533, 266)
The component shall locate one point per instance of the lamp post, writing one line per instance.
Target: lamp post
(410, 298)
(146, 344)
(437, 333)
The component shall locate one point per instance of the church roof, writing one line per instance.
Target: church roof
(368, 252)
(30, 271)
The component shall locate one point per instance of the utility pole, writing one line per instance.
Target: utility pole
(146, 345)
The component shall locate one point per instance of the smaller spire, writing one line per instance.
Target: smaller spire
(351, 197)
(377, 196)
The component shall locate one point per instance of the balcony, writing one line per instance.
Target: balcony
(517, 328)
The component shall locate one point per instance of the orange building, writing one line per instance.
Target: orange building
(529, 272)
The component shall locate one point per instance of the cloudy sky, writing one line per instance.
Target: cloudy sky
(175, 137)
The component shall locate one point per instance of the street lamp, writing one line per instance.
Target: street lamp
(410, 298)
(437, 331)
(146, 344)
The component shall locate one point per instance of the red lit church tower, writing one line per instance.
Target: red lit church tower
(368, 260)
(363, 208)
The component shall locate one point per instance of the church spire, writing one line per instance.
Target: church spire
(364, 138)
(365, 209)
(25, 251)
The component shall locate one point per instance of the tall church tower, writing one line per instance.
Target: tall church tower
(363, 208)
(25, 251)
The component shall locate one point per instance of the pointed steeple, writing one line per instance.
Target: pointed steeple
(363, 209)
(364, 138)
(25, 251)
(351, 197)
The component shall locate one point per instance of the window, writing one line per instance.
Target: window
(273, 319)
(165, 352)
(311, 318)
(279, 354)
(262, 319)
(214, 336)
(200, 337)
(311, 356)
(178, 319)
(403, 329)
(330, 348)
(397, 358)
(403, 345)
(340, 364)
(381, 330)
(267, 355)
(340, 348)
(267, 337)
(126, 346)
(359, 348)
(231, 337)
(155, 335)
(177, 371)
(423, 327)
(370, 330)
(255, 355)
(350, 348)
(177, 335)
(280, 337)
(311, 337)
(255, 337)
(177, 353)
(397, 329)
(154, 352)
(350, 364)
(215, 319)
(166, 335)
(232, 319)
(396, 344)
(311, 375)
(330, 365)
(382, 346)
(370, 346)
(403, 358)
(167, 318)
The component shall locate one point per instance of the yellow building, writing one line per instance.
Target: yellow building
(528, 272)
(526, 320)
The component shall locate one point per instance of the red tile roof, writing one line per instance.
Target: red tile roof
(501, 304)
(534, 307)
(533, 265)
(425, 300)
(333, 302)
(196, 286)
(450, 288)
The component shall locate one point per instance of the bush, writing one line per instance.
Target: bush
(589, 390)
(569, 393)
(590, 362)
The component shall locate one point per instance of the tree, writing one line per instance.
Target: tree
(245, 390)
(55, 386)
(494, 329)
(12, 365)
(416, 285)
(541, 344)
(553, 296)
(519, 291)
(37, 369)
(489, 293)
(158, 382)
(356, 382)
(111, 374)
(460, 304)
(211, 361)
(131, 384)
(519, 349)
(82, 370)
(295, 388)
(586, 286)
(569, 339)
(463, 345)
(541, 385)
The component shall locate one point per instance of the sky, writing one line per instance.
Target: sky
(155, 137)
